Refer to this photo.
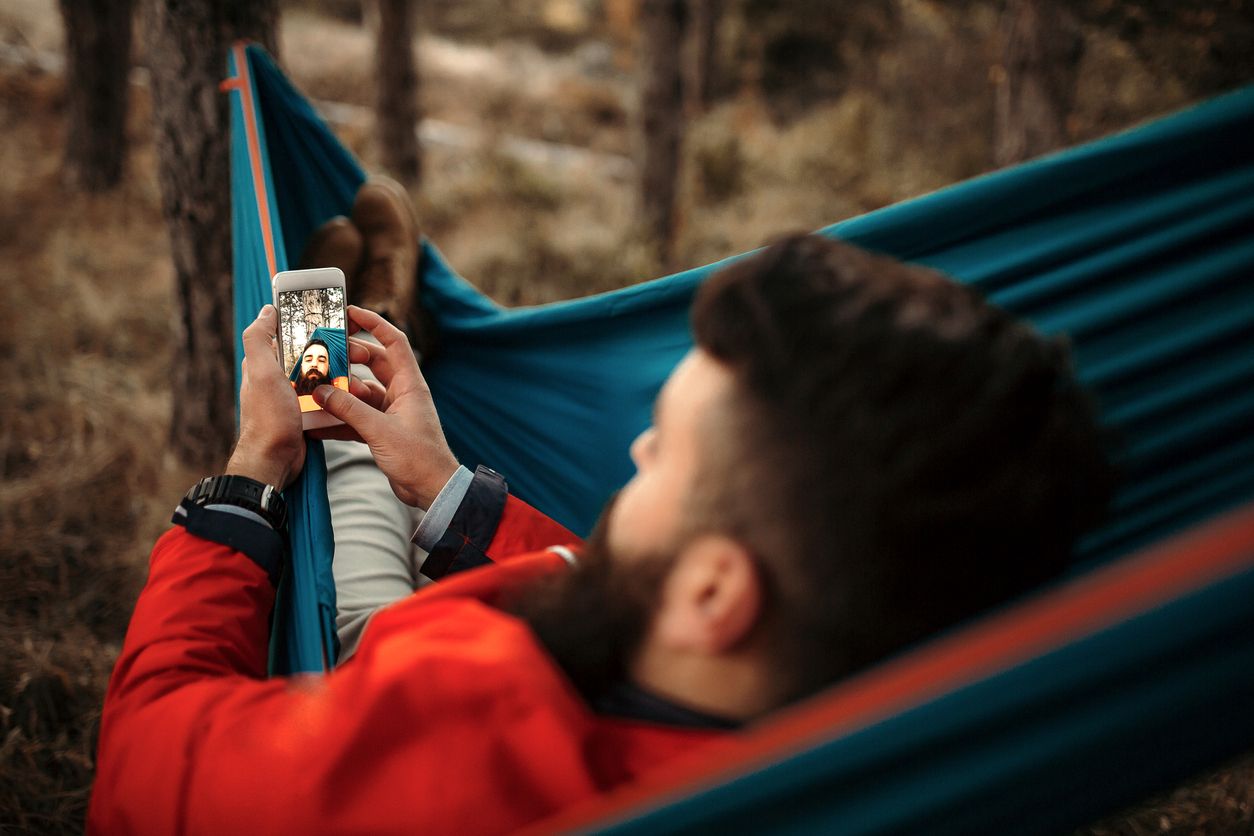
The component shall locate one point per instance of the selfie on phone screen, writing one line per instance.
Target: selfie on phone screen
(313, 341)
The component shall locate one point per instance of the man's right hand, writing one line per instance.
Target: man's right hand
(398, 419)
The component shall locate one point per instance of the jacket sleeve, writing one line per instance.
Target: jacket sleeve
(193, 740)
(490, 525)
(200, 629)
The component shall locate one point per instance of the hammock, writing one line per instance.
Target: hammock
(1137, 673)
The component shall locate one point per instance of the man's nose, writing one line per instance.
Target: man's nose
(637, 446)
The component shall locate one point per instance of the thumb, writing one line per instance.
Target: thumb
(351, 410)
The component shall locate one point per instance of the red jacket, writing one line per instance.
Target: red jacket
(449, 718)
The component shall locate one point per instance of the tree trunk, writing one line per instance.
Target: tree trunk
(98, 53)
(661, 118)
(1041, 47)
(396, 100)
(702, 51)
(187, 46)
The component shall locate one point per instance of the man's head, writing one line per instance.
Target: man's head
(858, 453)
(315, 367)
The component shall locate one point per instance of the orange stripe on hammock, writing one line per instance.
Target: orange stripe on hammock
(1072, 611)
(242, 84)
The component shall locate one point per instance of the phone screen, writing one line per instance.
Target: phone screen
(312, 341)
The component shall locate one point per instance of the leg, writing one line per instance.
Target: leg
(375, 563)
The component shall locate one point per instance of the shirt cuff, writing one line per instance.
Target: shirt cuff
(436, 521)
(464, 543)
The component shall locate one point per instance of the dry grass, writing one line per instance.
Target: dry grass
(84, 490)
(1220, 803)
(85, 485)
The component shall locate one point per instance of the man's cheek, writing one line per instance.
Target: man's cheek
(624, 520)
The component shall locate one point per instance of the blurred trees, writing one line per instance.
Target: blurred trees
(661, 118)
(702, 54)
(1208, 45)
(396, 93)
(677, 54)
(1040, 46)
(187, 42)
(97, 53)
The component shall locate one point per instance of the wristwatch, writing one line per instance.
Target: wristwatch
(258, 497)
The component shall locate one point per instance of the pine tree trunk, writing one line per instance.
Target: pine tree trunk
(702, 50)
(396, 101)
(187, 43)
(98, 60)
(661, 119)
(1041, 47)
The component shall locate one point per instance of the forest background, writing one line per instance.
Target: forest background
(537, 172)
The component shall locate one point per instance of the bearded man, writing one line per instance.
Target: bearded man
(315, 367)
(856, 454)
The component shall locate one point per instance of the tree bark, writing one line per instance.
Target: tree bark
(187, 47)
(396, 101)
(661, 118)
(98, 53)
(1041, 47)
(702, 52)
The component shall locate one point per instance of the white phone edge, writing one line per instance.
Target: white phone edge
(311, 279)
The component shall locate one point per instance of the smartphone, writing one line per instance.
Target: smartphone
(313, 336)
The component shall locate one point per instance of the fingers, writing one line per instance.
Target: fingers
(375, 356)
(399, 352)
(385, 332)
(353, 411)
(257, 336)
(358, 351)
(369, 391)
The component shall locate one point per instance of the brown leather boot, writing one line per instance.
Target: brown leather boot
(388, 282)
(336, 243)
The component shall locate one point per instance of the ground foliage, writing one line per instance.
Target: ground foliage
(817, 117)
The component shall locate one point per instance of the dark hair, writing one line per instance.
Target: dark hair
(899, 454)
(315, 341)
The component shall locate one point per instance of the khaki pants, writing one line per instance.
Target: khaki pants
(374, 563)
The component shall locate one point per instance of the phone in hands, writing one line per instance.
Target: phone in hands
(313, 336)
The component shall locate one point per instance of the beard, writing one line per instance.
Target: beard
(310, 381)
(592, 620)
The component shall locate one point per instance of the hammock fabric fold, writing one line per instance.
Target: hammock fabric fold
(1139, 247)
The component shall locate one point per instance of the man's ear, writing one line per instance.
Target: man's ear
(712, 599)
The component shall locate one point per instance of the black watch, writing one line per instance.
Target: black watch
(258, 497)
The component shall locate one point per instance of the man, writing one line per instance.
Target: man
(315, 367)
(857, 453)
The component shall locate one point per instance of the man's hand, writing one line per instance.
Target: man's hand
(271, 447)
(398, 419)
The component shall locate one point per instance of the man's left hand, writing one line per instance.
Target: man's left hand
(271, 446)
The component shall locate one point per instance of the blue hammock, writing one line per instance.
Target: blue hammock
(1139, 247)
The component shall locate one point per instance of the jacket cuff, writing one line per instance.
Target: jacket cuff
(464, 544)
(257, 541)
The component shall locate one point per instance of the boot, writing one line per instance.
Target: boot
(383, 215)
(388, 282)
(336, 243)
